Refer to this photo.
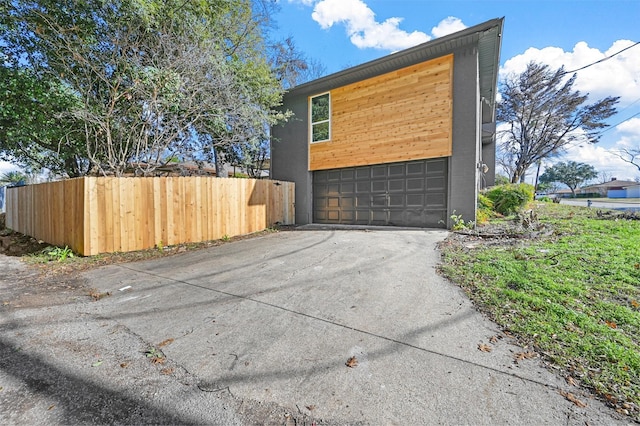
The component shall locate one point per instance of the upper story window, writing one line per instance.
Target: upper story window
(320, 111)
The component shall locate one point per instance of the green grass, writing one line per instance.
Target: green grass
(574, 295)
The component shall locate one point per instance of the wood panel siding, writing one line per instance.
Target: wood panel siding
(399, 116)
(95, 215)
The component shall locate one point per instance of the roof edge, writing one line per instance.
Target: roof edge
(496, 23)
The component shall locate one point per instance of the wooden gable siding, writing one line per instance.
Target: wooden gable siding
(399, 116)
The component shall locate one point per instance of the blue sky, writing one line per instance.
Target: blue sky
(344, 33)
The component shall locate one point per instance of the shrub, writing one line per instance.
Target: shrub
(485, 209)
(510, 198)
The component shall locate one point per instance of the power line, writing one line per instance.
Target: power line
(616, 125)
(601, 60)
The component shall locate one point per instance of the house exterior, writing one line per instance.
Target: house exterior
(627, 191)
(613, 189)
(406, 140)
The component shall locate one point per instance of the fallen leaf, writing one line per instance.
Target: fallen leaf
(97, 363)
(484, 348)
(611, 324)
(124, 365)
(167, 371)
(50, 407)
(311, 407)
(635, 304)
(493, 339)
(572, 381)
(158, 360)
(352, 362)
(165, 343)
(637, 266)
(525, 355)
(571, 397)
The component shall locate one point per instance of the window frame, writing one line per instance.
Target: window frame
(312, 123)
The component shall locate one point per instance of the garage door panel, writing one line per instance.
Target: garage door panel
(404, 194)
(436, 200)
(379, 201)
(347, 188)
(347, 202)
(396, 185)
(379, 186)
(378, 171)
(415, 200)
(415, 168)
(397, 201)
(333, 202)
(436, 183)
(415, 184)
(363, 201)
(363, 187)
(363, 173)
(436, 167)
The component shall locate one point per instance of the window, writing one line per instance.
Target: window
(320, 118)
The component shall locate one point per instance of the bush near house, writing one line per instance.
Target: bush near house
(510, 198)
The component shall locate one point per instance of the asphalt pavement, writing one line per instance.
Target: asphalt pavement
(332, 326)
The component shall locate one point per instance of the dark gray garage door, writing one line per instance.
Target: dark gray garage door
(402, 194)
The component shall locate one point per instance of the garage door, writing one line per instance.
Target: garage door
(402, 194)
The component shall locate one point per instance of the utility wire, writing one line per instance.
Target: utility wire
(601, 60)
(616, 125)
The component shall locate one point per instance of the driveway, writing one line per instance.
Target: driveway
(331, 326)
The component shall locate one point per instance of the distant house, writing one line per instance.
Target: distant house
(407, 139)
(628, 191)
(607, 189)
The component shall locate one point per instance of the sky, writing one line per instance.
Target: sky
(345, 33)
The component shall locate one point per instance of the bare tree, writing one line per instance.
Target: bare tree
(629, 155)
(545, 115)
(605, 177)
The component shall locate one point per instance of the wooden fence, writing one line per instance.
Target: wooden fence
(95, 215)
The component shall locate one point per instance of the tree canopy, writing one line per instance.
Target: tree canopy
(544, 115)
(125, 86)
(571, 173)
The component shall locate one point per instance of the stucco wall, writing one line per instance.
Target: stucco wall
(290, 156)
(463, 170)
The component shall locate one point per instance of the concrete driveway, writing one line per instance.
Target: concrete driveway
(275, 319)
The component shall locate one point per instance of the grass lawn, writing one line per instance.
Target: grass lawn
(572, 293)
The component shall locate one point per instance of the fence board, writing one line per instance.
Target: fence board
(102, 214)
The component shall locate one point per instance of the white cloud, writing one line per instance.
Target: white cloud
(448, 26)
(631, 127)
(618, 76)
(602, 160)
(365, 31)
(362, 28)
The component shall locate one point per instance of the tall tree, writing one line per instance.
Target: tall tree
(545, 115)
(571, 173)
(36, 130)
(151, 80)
